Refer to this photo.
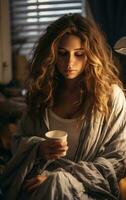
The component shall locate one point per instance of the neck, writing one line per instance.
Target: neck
(73, 84)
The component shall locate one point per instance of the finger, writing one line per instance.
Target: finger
(53, 156)
(29, 182)
(57, 150)
(38, 183)
(56, 156)
(32, 187)
(52, 150)
(57, 143)
(54, 153)
(58, 146)
(33, 181)
(64, 148)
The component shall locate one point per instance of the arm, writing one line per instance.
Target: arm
(28, 128)
(24, 131)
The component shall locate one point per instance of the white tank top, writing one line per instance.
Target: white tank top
(71, 126)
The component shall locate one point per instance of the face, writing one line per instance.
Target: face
(71, 59)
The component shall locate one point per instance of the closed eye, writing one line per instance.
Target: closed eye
(79, 53)
(62, 53)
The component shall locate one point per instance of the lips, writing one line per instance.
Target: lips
(70, 71)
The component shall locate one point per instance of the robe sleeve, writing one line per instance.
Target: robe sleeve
(103, 173)
(28, 127)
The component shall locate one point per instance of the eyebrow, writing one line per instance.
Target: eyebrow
(74, 49)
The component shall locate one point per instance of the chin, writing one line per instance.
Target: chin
(71, 77)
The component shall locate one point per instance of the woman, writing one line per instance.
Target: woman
(73, 86)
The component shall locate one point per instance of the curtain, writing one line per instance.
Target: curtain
(29, 18)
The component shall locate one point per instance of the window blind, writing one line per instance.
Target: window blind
(30, 17)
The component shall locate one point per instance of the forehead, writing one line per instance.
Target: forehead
(70, 41)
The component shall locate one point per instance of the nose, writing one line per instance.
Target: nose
(70, 62)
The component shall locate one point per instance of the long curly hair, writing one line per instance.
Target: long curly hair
(99, 74)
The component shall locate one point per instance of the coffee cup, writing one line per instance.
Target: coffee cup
(57, 135)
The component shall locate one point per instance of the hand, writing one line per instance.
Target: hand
(34, 182)
(49, 149)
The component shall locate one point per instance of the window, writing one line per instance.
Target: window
(30, 17)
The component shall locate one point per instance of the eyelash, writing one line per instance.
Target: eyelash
(81, 54)
(62, 53)
(65, 53)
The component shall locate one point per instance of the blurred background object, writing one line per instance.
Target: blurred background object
(120, 46)
(5, 43)
(8, 127)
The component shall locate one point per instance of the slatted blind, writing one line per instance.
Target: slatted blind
(30, 17)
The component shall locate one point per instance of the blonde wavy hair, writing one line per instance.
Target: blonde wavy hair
(100, 71)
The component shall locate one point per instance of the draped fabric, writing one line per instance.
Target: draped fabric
(94, 174)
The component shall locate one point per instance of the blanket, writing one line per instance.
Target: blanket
(94, 173)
